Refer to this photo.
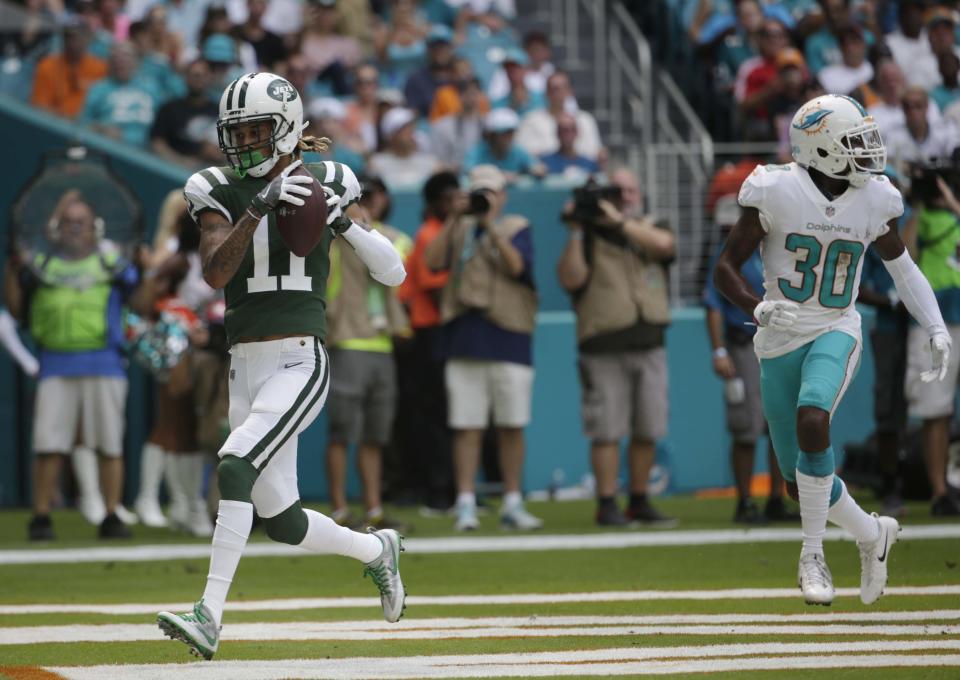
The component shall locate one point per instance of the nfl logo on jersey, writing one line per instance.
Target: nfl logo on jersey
(831, 211)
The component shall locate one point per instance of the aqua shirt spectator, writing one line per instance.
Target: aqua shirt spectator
(823, 47)
(120, 106)
(498, 148)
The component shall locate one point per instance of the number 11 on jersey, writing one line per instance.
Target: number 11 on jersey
(262, 281)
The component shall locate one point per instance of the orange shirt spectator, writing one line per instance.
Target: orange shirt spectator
(447, 102)
(420, 290)
(61, 81)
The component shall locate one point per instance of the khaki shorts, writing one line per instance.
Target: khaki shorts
(745, 420)
(932, 399)
(475, 387)
(363, 395)
(624, 393)
(91, 406)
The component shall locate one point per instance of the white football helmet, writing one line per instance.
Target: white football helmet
(834, 134)
(256, 98)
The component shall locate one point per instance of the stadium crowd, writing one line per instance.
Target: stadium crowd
(411, 97)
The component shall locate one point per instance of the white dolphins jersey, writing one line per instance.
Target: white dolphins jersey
(813, 249)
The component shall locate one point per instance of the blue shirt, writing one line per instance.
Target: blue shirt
(126, 106)
(822, 49)
(944, 96)
(517, 159)
(535, 101)
(557, 163)
(106, 362)
(472, 336)
(735, 318)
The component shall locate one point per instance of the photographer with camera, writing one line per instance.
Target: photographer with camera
(934, 239)
(615, 269)
(488, 307)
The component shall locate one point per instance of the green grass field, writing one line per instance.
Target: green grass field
(543, 613)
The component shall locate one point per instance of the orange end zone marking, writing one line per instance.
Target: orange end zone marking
(28, 673)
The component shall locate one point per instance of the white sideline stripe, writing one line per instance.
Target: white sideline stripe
(302, 630)
(460, 544)
(295, 604)
(629, 661)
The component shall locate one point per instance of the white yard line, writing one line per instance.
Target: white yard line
(302, 630)
(459, 544)
(294, 604)
(630, 661)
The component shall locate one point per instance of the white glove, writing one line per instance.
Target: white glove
(776, 313)
(284, 187)
(334, 210)
(940, 350)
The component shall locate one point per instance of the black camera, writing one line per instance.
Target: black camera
(479, 203)
(923, 178)
(586, 201)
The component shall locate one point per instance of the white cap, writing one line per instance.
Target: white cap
(394, 119)
(501, 120)
(327, 107)
(487, 177)
(727, 210)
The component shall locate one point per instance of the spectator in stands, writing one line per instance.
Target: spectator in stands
(401, 44)
(423, 84)
(101, 41)
(518, 97)
(910, 45)
(162, 40)
(61, 81)
(538, 130)
(454, 135)
(401, 163)
(112, 20)
(446, 100)
(185, 130)
(941, 32)
(181, 18)
(890, 85)
(330, 54)
(948, 91)
(853, 72)
(220, 53)
(218, 22)
(155, 66)
(267, 46)
(614, 268)
(935, 242)
(793, 77)
(420, 293)
(539, 67)
(363, 318)
(488, 309)
(735, 41)
(362, 112)
(757, 79)
(327, 116)
(497, 147)
(918, 141)
(734, 361)
(888, 340)
(823, 47)
(120, 106)
(565, 160)
(82, 382)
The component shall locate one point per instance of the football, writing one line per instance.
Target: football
(301, 227)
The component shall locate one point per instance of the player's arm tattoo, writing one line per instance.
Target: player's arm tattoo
(744, 239)
(223, 245)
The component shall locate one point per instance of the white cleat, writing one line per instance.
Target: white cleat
(874, 558)
(815, 580)
(385, 572)
(518, 518)
(127, 517)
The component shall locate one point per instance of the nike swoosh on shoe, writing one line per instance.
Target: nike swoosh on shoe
(886, 542)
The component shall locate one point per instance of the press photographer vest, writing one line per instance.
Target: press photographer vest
(68, 310)
(479, 279)
(358, 307)
(624, 287)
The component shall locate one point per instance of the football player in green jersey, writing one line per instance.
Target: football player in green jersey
(279, 371)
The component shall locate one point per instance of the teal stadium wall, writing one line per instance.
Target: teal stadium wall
(695, 453)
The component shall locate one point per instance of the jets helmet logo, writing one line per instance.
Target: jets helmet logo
(281, 90)
(813, 121)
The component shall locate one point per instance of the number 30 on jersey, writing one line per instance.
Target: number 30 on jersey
(840, 262)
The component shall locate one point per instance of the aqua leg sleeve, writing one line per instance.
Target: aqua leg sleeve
(779, 389)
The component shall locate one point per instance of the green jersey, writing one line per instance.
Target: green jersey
(273, 292)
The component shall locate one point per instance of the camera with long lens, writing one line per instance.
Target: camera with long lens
(478, 202)
(923, 178)
(586, 202)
